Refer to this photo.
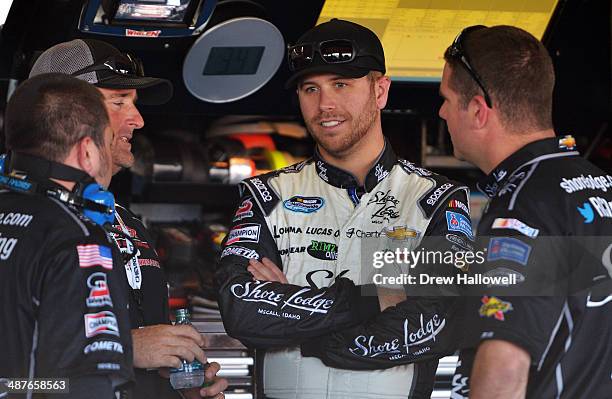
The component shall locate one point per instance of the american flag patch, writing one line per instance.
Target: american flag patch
(95, 255)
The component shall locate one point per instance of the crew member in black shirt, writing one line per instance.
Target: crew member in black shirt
(64, 301)
(547, 226)
(120, 78)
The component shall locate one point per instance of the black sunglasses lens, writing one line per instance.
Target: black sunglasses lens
(457, 46)
(300, 56)
(126, 65)
(135, 65)
(337, 51)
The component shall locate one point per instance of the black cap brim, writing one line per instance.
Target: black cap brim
(151, 91)
(338, 69)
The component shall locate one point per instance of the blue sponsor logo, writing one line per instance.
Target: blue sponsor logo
(509, 249)
(16, 184)
(587, 212)
(304, 204)
(458, 222)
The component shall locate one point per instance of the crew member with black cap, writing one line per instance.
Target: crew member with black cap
(304, 233)
(64, 303)
(121, 80)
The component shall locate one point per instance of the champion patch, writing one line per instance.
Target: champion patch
(101, 323)
(458, 222)
(246, 232)
(304, 204)
(508, 249)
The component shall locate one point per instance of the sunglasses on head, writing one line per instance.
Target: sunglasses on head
(336, 51)
(125, 64)
(457, 52)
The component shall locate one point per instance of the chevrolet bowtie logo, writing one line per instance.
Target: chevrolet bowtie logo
(401, 233)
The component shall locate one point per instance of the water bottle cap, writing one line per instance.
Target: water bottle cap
(182, 313)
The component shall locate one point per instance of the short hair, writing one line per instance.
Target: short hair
(515, 69)
(49, 113)
(373, 76)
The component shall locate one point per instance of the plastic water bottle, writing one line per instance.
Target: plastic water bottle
(189, 375)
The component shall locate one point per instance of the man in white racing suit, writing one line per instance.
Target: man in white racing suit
(315, 235)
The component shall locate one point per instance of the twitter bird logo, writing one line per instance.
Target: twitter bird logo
(587, 212)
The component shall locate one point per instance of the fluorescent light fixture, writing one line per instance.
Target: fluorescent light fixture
(415, 33)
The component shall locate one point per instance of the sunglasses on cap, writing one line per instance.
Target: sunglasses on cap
(336, 51)
(457, 52)
(125, 65)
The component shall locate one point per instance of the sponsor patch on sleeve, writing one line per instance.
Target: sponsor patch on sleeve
(494, 307)
(439, 195)
(515, 224)
(95, 255)
(246, 232)
(240, 251)
(101, 323)
(506, 248)
(262, 192)
(99, 293)
(458, 204)
(459, 222)
(245, 210)
(109, 346)
(459, 241)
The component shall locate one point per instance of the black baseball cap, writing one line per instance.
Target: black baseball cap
(369, 51)
(102, 65)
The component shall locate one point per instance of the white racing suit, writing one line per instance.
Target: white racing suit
(315, 222)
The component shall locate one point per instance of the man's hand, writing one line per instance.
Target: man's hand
(164, 345)
(266, 270)
(500, 371)
(214, 391)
